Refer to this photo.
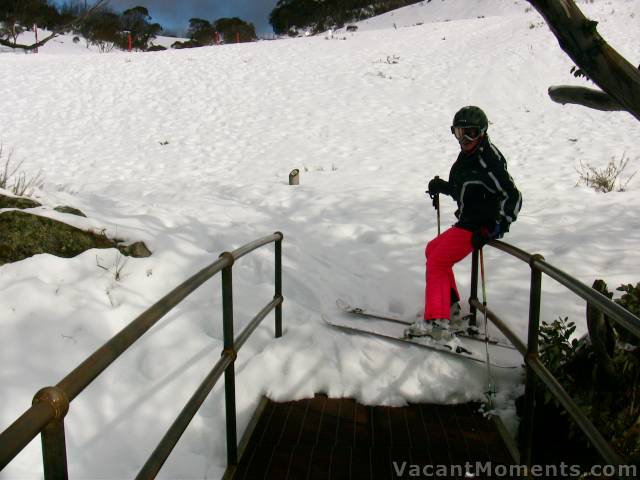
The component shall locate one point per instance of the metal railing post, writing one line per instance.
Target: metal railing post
(54, 450)
(278, 283)
(474, 286)
(229, 373)
(535, 296)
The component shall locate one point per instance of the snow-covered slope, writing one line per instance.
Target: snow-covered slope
(442, 11)
(435, 11)
(190, 152)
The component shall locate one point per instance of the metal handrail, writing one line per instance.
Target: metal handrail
(51, 404)
(535, 368)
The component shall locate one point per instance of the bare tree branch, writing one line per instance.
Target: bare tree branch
(579, 39)
(587, 97)
(74, 24)
(7, 43)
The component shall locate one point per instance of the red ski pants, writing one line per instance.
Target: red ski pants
(442, 253)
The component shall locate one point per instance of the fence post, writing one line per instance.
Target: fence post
(35, 29)
(278, 283)
(532, 352)
(474, 286)
(229, 373)
(54, 450)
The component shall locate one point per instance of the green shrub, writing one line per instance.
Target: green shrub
(556, 345)
(608, 399)
(631, 298)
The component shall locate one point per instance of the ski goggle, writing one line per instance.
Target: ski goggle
(466, 133)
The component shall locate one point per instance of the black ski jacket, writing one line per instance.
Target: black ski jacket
(483, 189)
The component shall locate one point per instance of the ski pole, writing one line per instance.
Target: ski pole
(490, 386)
(436, 203)
(438, 211)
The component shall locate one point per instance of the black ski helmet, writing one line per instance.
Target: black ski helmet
(470, 117)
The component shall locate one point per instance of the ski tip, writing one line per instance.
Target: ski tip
(326, 319)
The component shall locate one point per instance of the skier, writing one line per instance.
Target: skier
(488, 202)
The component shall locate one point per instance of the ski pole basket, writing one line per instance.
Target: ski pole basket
(51, 404)
(534, 367)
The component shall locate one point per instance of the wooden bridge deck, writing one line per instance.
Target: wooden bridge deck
(322, 438)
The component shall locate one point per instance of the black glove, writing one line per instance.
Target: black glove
(480, 238)
(437, 185)
(483, 235)
(503, 227)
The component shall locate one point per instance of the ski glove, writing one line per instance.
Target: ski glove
(483, 236)
(437, 185)
(479, 238)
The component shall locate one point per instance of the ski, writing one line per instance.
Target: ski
(389, 317)
(423, 342)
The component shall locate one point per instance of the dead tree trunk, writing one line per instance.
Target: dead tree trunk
(579, 38)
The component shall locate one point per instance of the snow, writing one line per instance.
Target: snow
(190, 151)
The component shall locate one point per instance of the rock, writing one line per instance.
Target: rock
(136, 250)
(70, 210)
(17, 202)
(23, 235)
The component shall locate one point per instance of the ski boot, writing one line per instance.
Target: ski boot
(437, 329)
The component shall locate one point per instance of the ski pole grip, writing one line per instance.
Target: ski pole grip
(432, 195)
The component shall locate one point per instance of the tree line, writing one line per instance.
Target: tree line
(103, 27)
(202, 32)
(290, 16)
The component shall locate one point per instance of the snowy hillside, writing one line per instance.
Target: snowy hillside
(437, 11)
(190, 151)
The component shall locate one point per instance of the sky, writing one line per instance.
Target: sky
(175, 15)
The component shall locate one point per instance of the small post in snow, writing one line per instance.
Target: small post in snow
(294, 177)
(129, 40)
(237, 37)
(35, 29)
